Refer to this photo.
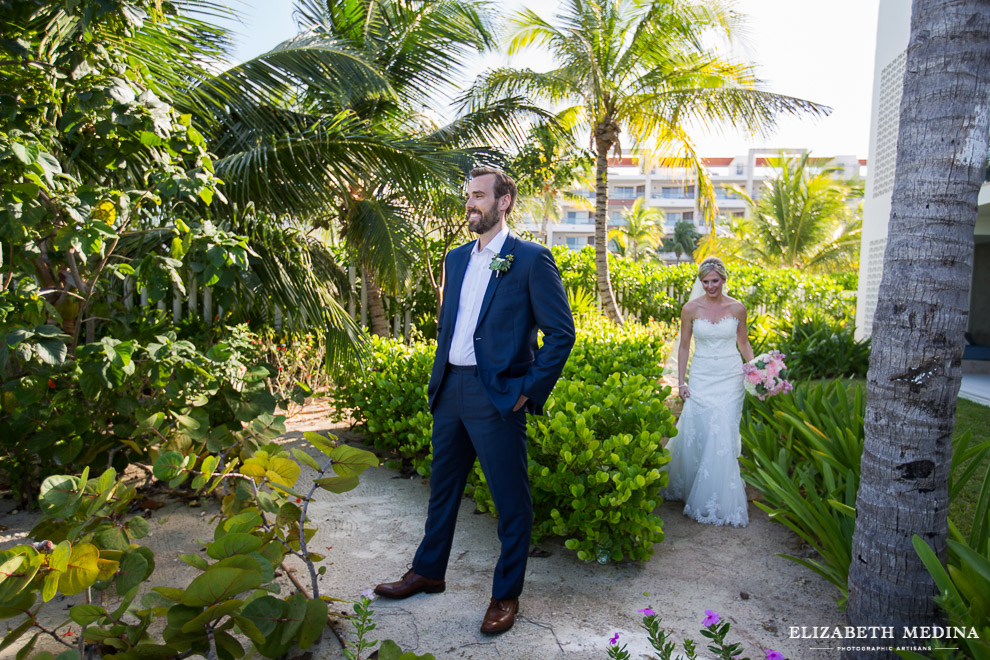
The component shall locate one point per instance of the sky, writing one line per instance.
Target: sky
(820, 51)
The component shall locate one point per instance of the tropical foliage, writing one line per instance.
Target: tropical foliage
(802, 219)
(648, 67)
(803, 452)
(652, 291)
(547, 167)
(583, 464)
(640, 232)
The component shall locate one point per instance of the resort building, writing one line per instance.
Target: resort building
(673, 191)
(893, 31)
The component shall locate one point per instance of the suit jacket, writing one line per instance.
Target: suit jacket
(517, 303)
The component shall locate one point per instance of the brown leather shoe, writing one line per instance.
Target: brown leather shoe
(410, 584)
(500, 616)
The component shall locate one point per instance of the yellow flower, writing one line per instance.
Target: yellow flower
(105, 211)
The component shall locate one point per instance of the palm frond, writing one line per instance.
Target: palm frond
(380, 232)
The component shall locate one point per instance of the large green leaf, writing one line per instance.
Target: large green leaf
(133, 571)
(389, 650)
(212, 613)
(19, 605)
(234, 544)
(265, 613)
(57, 492)
(350, 461)
(168, 465)
(84, 614)
(82, 570)
(17, 571)
(218, 584)
(314, 623)
(337, 484)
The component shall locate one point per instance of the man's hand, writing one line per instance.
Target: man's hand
(520, 403)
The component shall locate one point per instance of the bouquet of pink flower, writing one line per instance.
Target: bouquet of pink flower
(766, 375)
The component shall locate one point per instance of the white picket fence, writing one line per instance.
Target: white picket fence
(198, 302)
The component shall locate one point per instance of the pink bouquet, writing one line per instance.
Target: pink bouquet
(765, 375)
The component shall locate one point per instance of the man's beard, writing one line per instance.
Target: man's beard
(488, 219)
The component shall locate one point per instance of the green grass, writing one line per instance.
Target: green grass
(974, 418)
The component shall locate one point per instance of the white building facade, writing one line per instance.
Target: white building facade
(673, 191)
(893, 31)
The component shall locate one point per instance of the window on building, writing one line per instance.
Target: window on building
(640, 191)
(576, 242)
(624, 192)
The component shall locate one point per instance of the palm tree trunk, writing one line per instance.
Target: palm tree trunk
(543, 227)
(606, 134)
(921, 317)
(376, 308)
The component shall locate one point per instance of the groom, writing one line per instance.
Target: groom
(487, 374)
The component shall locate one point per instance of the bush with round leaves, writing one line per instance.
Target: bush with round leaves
(85, 542)
(387, 400)
(595, 464)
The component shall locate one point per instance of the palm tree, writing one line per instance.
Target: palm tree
(546, 169)
(802, 220)
(920, 319)
(648, 67)
(643, 227)
(328, 126)
(684, 240)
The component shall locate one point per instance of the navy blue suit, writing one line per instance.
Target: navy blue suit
(472, 411)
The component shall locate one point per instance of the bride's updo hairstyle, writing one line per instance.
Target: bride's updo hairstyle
(712, 264)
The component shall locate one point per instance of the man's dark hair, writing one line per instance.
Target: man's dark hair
(504, 185)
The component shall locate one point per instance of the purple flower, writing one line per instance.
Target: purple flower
(614, 640)
(646, 611)
(369, 594)
(774, 655)
(711, 618)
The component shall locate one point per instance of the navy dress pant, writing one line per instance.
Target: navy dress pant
(465, 425)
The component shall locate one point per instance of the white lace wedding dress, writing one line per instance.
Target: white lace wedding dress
(704, 470)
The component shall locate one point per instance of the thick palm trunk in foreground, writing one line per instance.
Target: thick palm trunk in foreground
(919, 322)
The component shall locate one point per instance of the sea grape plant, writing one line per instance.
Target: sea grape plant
(87, 544)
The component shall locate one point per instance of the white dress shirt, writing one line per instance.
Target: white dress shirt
(476, 279)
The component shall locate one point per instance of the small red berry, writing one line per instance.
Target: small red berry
(51, 384)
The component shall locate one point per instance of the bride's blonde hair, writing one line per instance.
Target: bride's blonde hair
(710, 264)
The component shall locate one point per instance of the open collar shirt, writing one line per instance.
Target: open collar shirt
(473, 287)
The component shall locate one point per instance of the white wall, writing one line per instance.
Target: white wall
(893, 31)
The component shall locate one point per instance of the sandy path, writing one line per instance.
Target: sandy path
(569, 609)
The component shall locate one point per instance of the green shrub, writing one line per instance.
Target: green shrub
(594, 467)
(652, 291)
(602, 349)
(803, 453)
(609, 388)
(387, 399)
(85, 544)
(818, 346)
(964, 581)
(122, 401)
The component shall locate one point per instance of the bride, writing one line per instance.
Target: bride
(703, 469)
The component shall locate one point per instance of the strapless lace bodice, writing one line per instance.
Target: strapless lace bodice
(715, 340)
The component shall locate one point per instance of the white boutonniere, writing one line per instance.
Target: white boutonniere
(501, 264)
